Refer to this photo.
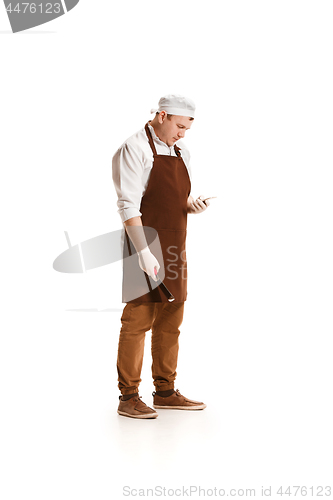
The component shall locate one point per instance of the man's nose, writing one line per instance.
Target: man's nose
(181, 133)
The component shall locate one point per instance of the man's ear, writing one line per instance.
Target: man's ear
(162, 116)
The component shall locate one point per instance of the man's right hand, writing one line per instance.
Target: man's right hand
(148, 263)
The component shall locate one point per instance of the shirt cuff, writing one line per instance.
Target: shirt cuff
(129, 213)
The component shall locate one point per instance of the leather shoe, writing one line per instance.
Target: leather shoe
(176, 402)
(135, 408)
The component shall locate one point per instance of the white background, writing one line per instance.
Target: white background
(256, 341)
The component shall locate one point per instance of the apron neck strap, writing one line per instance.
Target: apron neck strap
(177, 151)
(150, 139)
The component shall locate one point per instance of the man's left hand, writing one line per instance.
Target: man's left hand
(197, 206)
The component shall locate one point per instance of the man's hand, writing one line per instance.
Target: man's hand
(197, 206)
(148, 263)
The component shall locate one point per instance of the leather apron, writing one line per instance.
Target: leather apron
(163, 208)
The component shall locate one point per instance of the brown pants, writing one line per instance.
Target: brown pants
(164, 320)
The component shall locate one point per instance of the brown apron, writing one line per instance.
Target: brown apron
(163, 208)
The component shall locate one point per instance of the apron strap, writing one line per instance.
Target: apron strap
(150, 139)
(177, 151)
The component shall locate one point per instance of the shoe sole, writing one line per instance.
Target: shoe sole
(148, 415)
(201, 407)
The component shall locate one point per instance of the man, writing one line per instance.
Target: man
(151, 175)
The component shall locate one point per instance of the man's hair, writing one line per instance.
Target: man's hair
(169, 116)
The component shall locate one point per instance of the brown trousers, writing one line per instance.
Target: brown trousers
(164, 320)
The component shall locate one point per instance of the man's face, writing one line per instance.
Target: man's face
(173, 128)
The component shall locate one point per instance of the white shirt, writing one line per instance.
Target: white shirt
(131, 167)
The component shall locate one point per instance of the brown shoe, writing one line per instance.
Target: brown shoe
(176, 402)
(135, 408)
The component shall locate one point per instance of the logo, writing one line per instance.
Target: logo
(25, 15)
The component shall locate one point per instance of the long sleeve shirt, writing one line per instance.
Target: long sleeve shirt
(131, 167)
